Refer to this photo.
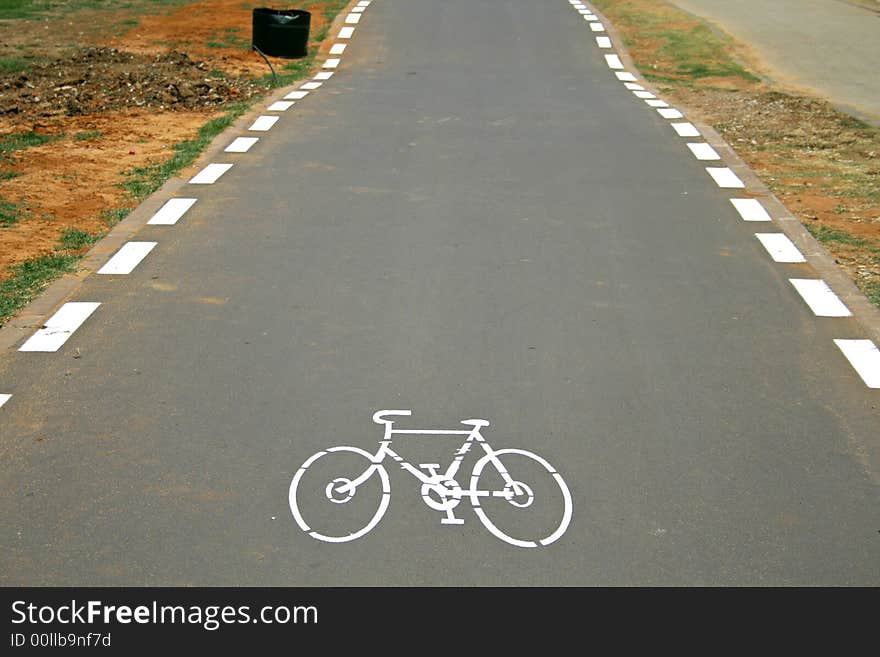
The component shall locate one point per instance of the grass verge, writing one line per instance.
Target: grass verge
(823, 164)
(31, 277)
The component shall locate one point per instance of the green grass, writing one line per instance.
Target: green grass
(114, 216)
(27, 9)
(143, 181)
(30, 278)
(228, 38)
(18, 141)
(700, 53)
(10, 213)
(872, 291)
(14, 64)
(87, 135)
(8, 175)
(828, 235)
(74, 239)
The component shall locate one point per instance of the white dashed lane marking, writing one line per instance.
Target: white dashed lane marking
(750, 209)
(296, 95)
(210, 174)
(603, 42)
(780, 248)
(353, 19)
(358, 10)
(281, 106)
(173, 210)
(643, 94)
(864, 356)
(337, 49)
(632, 86)
(726, 178)
(700, 151)
(625, 76)
(332, 63)
(311, 85)
(670, 113)
(613, 61)
(345, 33)
(685, 129)
(820, 298)
(127, 258)
(597, 27)
(60, 326)
(323, 75)
(241, 144)
(263, 123)
(656, 102)
(4, 399)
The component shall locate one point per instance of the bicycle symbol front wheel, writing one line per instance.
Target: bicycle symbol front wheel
(339, 487)
(524, 495)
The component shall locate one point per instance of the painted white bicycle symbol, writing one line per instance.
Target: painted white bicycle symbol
(341, 485)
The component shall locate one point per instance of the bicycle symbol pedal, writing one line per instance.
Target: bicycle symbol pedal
(492, 488)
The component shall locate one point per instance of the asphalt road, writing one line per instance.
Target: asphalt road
(829, 47)
(472, 219)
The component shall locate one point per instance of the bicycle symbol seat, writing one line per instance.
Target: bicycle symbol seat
(338, 482)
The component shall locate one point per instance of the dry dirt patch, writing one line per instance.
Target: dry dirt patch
(109, 91)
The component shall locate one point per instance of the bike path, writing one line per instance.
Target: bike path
(472, 219)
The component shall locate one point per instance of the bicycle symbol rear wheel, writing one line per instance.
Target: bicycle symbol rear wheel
(338, 487)
(525, 491)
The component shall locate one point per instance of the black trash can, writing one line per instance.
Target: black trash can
(281, 32)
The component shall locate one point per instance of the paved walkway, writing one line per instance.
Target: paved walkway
(828, 47)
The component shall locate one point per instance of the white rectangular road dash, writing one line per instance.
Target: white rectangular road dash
(352, 19)
(338, 48)
(864, 356)
(263, 123)
(296, 95)
(241, 144)
(4, 399)
(685, 129)
(333, 62)
(280, 106)
(364, 3)
(780, 248)
(603, 42)
(750, 209)
(656, 102)
(311, 85)
(632, 86)
(625, 76)
(820, 298)
(358, 10)
(700, 151)
(323, 75)
(598, 27)
(127, 258)
(173, 210)
(643, 94)
(669, 113)
(613, 61)
(345, 33)
(724, 177)
(60, 326)
(210, 174)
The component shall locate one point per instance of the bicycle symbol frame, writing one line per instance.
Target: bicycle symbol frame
(439, 490)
